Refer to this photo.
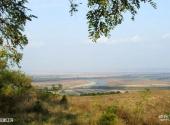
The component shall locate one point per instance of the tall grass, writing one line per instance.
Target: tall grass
(18, 99)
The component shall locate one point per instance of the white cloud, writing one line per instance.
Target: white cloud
(166, 36)
(103, 40)
(132, 39)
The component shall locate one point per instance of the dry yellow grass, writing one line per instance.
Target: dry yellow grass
(135, 108)
(90, 108)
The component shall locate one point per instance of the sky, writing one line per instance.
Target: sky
(59, 43)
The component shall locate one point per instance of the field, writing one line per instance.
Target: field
(110, 101)
(135, 108)
(103, 83)
(142, 99)
(132, 108)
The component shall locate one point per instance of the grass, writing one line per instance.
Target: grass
(135, 108)
(128, 104)
(30, 106)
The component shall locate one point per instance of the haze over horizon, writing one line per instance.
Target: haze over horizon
(58, 43)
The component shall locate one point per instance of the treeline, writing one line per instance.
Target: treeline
(101, 93)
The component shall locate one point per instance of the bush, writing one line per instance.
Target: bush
(44, 95)
(14, 89)
(14, 83)
(37, 107)
(168, 115)
(64, 102)
(109, 116)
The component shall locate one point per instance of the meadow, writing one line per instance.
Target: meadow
(135, 108)
(28, 105)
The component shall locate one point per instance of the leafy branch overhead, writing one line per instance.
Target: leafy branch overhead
(104, 15)
(13, 18)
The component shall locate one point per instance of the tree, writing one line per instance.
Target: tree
(56, 88)
(13, 17)
(103, 16)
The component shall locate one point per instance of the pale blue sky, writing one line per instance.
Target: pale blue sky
(58, 43)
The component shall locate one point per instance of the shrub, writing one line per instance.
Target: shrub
(14, 88)
(37, 107)
(7, 90)
(168, 115)
(64, 102)
(14, 82)
(109, 116)
(44, 94)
